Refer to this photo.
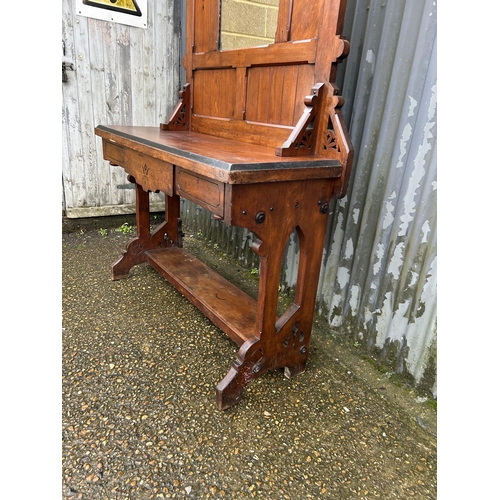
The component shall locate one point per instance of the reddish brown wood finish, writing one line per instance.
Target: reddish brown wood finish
(258, 139)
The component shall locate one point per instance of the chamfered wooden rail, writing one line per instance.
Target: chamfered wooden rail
(258, 139)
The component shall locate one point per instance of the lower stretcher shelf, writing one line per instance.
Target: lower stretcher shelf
(232, 310)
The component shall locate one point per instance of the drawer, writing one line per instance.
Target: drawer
(205, 192)
(150, 173)
(113, 152)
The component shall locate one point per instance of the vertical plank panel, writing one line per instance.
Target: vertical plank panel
(305, 82)
(97, 56)
(228, 85)
(138, 84)
(166, 73)
(70, 140)
(289, 94)
(277, 77)
(215, 92)
(206, 25)
(252, 98)
(197, 89)
(276, 94)
(240, 94)
(117, 95)
(87, 164)
(201, 103)
(306, 19)
(146, 56)
(207, 89)
(264, 94)
(283, 23)
(212, 96)
(223, 93)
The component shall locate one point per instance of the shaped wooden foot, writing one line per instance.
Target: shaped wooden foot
(135, 252)
(246, 367)
(293, 371)
(169, 233)
(133, 255)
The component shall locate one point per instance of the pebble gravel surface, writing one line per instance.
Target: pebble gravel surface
(139, 420)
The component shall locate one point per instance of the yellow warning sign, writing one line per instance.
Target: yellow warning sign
(124, 6)
(128, 12)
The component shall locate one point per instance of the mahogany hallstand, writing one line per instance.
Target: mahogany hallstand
(257, 139)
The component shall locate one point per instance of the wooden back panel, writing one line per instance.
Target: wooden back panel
(263, 86)
(281, 95)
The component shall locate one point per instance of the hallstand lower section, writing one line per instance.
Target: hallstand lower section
(266, 341)
(243, 185)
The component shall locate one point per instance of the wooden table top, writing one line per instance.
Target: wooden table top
(222, 159)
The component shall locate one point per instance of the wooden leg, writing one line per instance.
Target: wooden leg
(311, 240)
(255, 357)
(169, 233)
(280, 342)
(261, 354)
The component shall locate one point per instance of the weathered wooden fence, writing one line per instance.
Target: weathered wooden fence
(122, 75)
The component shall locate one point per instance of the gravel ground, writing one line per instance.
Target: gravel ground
(139, 420)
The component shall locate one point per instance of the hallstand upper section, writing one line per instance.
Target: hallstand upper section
(281, 96)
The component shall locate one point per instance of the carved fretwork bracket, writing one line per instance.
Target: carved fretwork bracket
(321, 131)
(181, 115)
(302, 140)
(331, 142)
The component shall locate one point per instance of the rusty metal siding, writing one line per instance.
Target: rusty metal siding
(378, 279)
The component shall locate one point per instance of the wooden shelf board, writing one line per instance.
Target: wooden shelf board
(232, 310)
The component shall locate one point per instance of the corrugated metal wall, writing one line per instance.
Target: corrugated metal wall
(381, 256)
(378, 280)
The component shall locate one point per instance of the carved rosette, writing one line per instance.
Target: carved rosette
(331, 142)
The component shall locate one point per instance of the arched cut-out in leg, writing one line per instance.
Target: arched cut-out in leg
(289, 272)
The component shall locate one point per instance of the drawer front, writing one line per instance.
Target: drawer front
(205, 192)
(113, 152)
(150, 173)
